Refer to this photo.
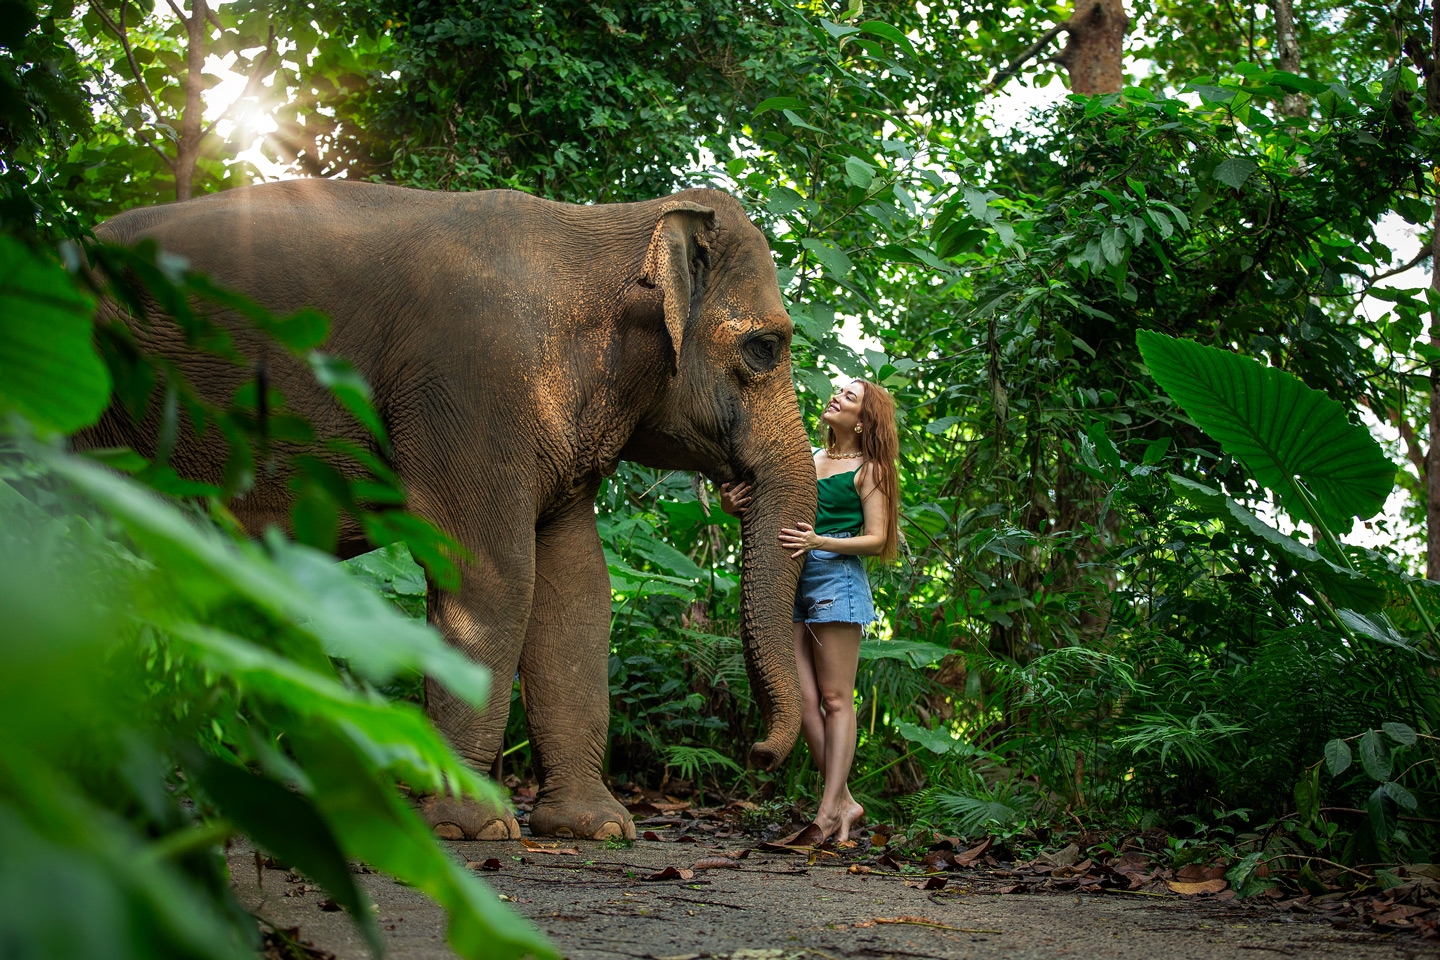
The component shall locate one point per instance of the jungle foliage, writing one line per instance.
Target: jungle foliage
(1135, 339)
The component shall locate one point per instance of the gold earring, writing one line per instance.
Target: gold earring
(857, 428)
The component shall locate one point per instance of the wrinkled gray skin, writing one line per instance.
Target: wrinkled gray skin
(518, 349)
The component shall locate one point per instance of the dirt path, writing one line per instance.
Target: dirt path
(596, 905)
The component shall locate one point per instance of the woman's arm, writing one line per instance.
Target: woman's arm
(870, 543)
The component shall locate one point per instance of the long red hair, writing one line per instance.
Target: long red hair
(880, 445)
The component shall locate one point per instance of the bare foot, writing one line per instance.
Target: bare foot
(853, 817)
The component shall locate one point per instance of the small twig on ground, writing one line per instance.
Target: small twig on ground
(916, 921)
(823, 886)
(708, 903)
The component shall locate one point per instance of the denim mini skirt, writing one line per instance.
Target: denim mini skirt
(833, 589)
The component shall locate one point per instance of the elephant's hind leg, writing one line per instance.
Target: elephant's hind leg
(485, 619)
(565, 668)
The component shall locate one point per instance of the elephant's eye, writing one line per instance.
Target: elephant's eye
(761, 352)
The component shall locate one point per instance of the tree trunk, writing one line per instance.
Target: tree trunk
(1287, 41)
(1432, 458)
(1093, 55)
(187, 150)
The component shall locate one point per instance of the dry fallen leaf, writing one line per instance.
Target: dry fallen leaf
(969, 857)
(716, 863)
(491, 864)
(1193, 889)
(671, 873)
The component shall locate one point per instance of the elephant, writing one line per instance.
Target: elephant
(517, 349)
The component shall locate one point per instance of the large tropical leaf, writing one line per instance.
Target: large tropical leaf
(1344, 587)
(49, 370)
(1279, 427)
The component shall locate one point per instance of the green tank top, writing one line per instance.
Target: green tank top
(840, 510)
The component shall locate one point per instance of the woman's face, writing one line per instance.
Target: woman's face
(843, 413)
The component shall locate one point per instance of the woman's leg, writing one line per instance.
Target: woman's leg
(835, 652)
(812, 720)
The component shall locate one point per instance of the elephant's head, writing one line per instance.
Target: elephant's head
(728, 410)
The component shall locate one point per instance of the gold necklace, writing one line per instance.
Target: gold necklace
(843, 456)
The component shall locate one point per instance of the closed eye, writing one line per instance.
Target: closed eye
(761, 352)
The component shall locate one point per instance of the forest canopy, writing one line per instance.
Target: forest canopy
(1165, 351)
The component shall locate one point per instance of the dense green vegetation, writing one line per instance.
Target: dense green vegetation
(1115, 329)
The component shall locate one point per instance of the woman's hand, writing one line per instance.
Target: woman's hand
(735, 497)
(801, 539)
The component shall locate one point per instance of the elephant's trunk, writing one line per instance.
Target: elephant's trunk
(784, 496)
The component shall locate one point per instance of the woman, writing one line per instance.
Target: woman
(858, 517)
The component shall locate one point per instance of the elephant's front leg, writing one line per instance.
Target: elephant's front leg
(486, 620)
(564, 666)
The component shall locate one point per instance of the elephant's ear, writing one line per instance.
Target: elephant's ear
(673, 262)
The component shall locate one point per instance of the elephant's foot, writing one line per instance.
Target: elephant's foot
(460, 818)
(588, 813)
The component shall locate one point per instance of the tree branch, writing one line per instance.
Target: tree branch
(122, 32)
(145, 139)
(178, 12)
(1414, 261)
(1013, 67)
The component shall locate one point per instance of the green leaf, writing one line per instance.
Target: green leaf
(796, 119)
(1375, 629)
(1307, 796)
(1112, 245)
(1155, 451)
(364, 628)
(1374, 756)
(936, 741)
(834, 261)
(369, 817)
(1235, 171)
(778, 103)
(350, 388)
(1399, 794)
(1238, 874)
(288, 825)
(1337, 757)
(878, 29)
(1341, 584)
(1279, 427)
(1401, 733)
(917, 653)
(1384, 814)
(935, 427)
(858, 172)
(49, 370)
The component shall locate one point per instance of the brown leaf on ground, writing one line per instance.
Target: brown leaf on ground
(716, 863)
(1196, 889)
(1196, 873)
(859, 868)
(1066, 856)
(671, 873)
(937, 860)
(1131, 863)
(936, 883)
(643, 808)
(969, 857)
(889, 861)
(879, 839)
(652, 835)
(492, 863)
